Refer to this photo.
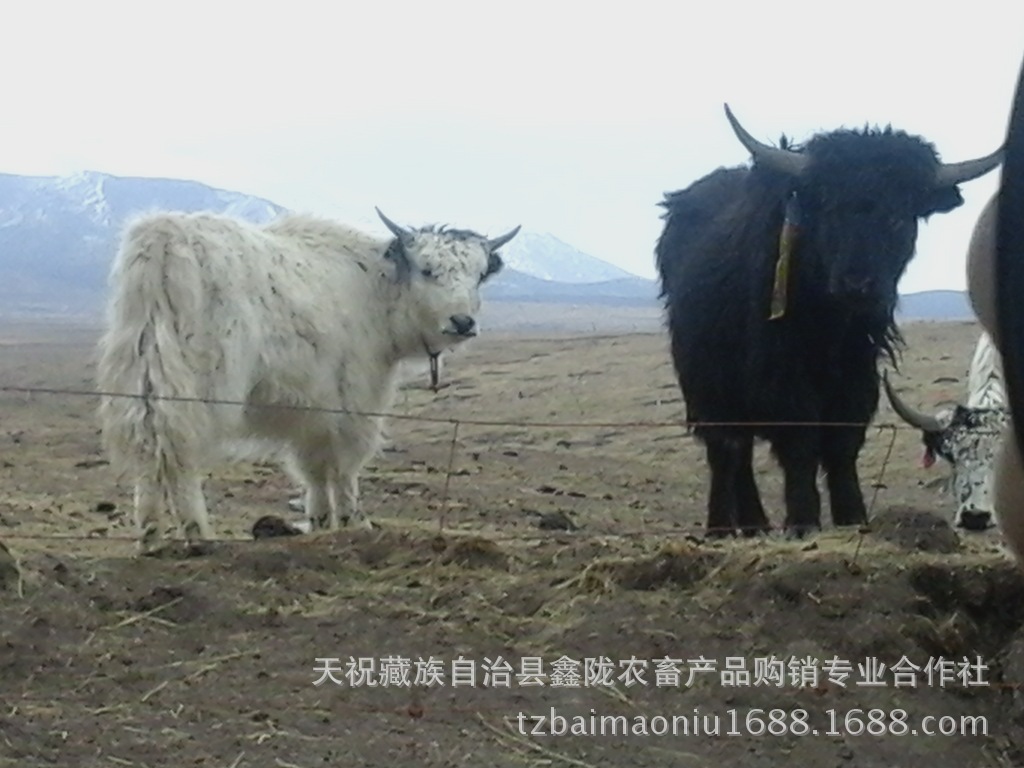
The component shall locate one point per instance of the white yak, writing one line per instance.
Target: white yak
(287, 336)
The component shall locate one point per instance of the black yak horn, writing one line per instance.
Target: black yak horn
(396, 230)
(496, 242)
(908, 414)
(780, 159)
(951, 174)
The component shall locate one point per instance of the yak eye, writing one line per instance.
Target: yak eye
(427, 272)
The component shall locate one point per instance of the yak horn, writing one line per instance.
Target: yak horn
(908, 414)
(496, 242)
(951, 174)
(782, 160)
(396, 230)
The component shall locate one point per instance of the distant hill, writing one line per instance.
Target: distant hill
(935, 305)
(59, 234)
(545, 256)
(513, 285)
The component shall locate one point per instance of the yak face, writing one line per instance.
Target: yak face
(969, 443)
(968, 439)
(860, 195)
(441, 271)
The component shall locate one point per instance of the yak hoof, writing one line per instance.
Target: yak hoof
(975, 521)
(199, 548)
(799, 532)
(154, 551)
(756, 532)
(361, 523)
(179, 550)
(719, 533)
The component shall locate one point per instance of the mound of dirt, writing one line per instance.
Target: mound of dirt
(248, 629)
(915, 530)
(680, 565)
(476, 553)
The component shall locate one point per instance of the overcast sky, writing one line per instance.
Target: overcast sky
(566, 117)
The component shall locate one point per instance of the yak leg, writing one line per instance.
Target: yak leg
(346, 491)
(839, 451)
(190, 508)
(797, 453)
(357, 439)
(329, 467)
(314, 465)
(318, 502)
(749, 509)
(723, 459)
(178, 494)
(149, 503)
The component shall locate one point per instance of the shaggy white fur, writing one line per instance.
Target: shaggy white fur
(295, 315)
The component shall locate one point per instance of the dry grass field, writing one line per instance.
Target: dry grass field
(581, 539)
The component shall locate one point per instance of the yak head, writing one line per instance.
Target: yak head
(968, 439)
(860, 195)
(440, 272)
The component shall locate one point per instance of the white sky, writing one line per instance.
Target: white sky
(566, 117)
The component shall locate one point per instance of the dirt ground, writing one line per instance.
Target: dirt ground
(566, 542)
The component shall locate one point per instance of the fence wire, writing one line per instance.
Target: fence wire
(529, 424)
(449, 472)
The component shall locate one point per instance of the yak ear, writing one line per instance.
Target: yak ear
(494, 265)
(398, 256)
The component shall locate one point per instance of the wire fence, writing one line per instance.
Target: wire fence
(529, 423)
(459, 422)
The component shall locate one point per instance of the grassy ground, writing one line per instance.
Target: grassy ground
(110, 660)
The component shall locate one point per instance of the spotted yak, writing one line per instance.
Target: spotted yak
(966, 436)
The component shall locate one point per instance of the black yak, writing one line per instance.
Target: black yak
(779, 283)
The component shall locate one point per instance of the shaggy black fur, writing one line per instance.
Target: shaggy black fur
(860, 199)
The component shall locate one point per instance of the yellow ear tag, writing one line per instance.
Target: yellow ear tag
(787, 240)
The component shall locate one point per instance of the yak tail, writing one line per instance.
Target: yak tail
(147, 365)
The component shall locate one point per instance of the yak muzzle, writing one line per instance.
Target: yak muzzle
(853, 289)
(975, 520)
(462, 326)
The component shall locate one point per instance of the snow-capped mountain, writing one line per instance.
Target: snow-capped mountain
(59, 234)
(547, 257)
(103, 201)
